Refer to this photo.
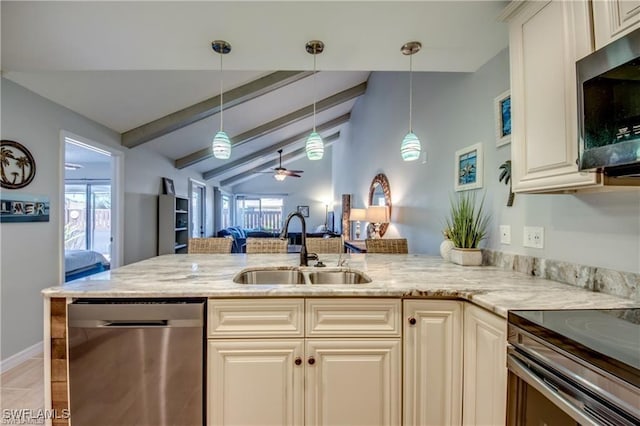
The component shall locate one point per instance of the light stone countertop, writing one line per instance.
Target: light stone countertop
(412, 275)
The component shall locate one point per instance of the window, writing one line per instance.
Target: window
(87, 214)
(198, 212)
(226, 212)
(259, 213)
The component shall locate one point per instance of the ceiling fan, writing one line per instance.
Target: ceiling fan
(280, 173)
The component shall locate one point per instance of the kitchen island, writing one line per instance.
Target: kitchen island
(357, 328)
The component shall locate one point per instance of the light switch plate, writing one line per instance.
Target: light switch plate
(533, 237)
(505, 234)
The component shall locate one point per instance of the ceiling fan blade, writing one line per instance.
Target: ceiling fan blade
(296, 171)
(293, 175)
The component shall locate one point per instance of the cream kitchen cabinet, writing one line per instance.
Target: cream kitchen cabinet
(432, 362)
(614, 18)
(262, 369)
(485, 367)
(545, 40)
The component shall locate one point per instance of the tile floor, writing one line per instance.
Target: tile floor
(23, 385)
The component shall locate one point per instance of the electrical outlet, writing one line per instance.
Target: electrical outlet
(505, 234)
(533, 236)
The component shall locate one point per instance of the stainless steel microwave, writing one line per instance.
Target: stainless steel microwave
(609, 108)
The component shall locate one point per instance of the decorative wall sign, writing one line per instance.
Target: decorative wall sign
(23, 208)
(17, 165)
(502, 111)
(469, 168)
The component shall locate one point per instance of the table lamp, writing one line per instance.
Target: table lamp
(377, 215)
(356, 215)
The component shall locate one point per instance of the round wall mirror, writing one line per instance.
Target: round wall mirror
(380, 195)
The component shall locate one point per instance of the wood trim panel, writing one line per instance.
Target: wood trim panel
(58, 344)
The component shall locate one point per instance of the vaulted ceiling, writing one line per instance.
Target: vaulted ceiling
(146, 69)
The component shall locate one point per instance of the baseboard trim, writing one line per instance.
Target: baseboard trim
(20, 357)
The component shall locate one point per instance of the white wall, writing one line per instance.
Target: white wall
(451, 111)
(312, 189)
(31, 252)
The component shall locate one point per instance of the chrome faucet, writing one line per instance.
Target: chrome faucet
(304, 256)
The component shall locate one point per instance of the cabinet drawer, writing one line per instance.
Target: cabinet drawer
(353, 317)
(229, 318)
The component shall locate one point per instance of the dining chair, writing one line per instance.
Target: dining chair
(209, 245)
(387, 245)
(266, 245)
(324, 245)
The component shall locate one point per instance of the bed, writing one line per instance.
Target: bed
(80, 263)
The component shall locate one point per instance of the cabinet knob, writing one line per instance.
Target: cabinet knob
(412, 321)
(312, 360)
(298, 361)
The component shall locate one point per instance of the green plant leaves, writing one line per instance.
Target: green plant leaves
(467, 223)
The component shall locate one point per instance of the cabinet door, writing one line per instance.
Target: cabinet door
(255, 382)
(353, 382)
(432, 362)
(545, 40)
(485, 367)
(614, 18)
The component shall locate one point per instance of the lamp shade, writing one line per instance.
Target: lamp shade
(357, 214)
(377, 214)
(314, 146)
(410, 147)
(221, 146)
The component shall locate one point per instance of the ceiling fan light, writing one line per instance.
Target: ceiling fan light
(279, 176)
(221, 146)
(314, 147)
(410, 147)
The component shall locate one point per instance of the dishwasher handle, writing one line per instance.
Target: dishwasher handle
(113, 324)
(134, 323)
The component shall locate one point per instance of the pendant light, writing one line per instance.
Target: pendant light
(314, 146)
(221, 144)
(410, 148)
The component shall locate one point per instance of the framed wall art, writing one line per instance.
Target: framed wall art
(168, 187)
(468, 168)
(502, 111)
(303, 210)
(17, 165)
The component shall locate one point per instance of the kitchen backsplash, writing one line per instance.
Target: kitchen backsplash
(621, 284)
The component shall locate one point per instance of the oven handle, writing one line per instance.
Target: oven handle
(518, 368)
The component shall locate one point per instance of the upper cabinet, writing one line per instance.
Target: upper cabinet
(545, 41)
(614, 18)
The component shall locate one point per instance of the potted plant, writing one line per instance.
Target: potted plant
(466, 226)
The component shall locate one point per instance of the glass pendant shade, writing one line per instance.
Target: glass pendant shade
(279, 177)
(221, 146)
(314, 147)
(410, 147)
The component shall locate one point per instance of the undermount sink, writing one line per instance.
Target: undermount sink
(338, 277)
(293, 275)
(270, 276)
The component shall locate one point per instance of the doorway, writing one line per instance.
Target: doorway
(92, 203)
(198, 213)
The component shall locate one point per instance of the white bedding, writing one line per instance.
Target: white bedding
(79, 259)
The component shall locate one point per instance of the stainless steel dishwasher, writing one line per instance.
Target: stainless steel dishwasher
(136, 362)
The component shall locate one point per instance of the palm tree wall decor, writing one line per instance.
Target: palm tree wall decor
(506, 176)
(17, 165)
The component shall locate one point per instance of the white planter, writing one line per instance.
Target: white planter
(466, 257)
(445, 249)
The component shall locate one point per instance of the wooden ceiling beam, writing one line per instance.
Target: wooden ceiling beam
(328, 141)
(331, 124)
(179, 119)
(277, 124)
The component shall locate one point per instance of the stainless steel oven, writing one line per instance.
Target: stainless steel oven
(574, 367)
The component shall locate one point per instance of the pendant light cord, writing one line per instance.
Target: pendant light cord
(314, 89)
(410, 92)
(221, 93)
